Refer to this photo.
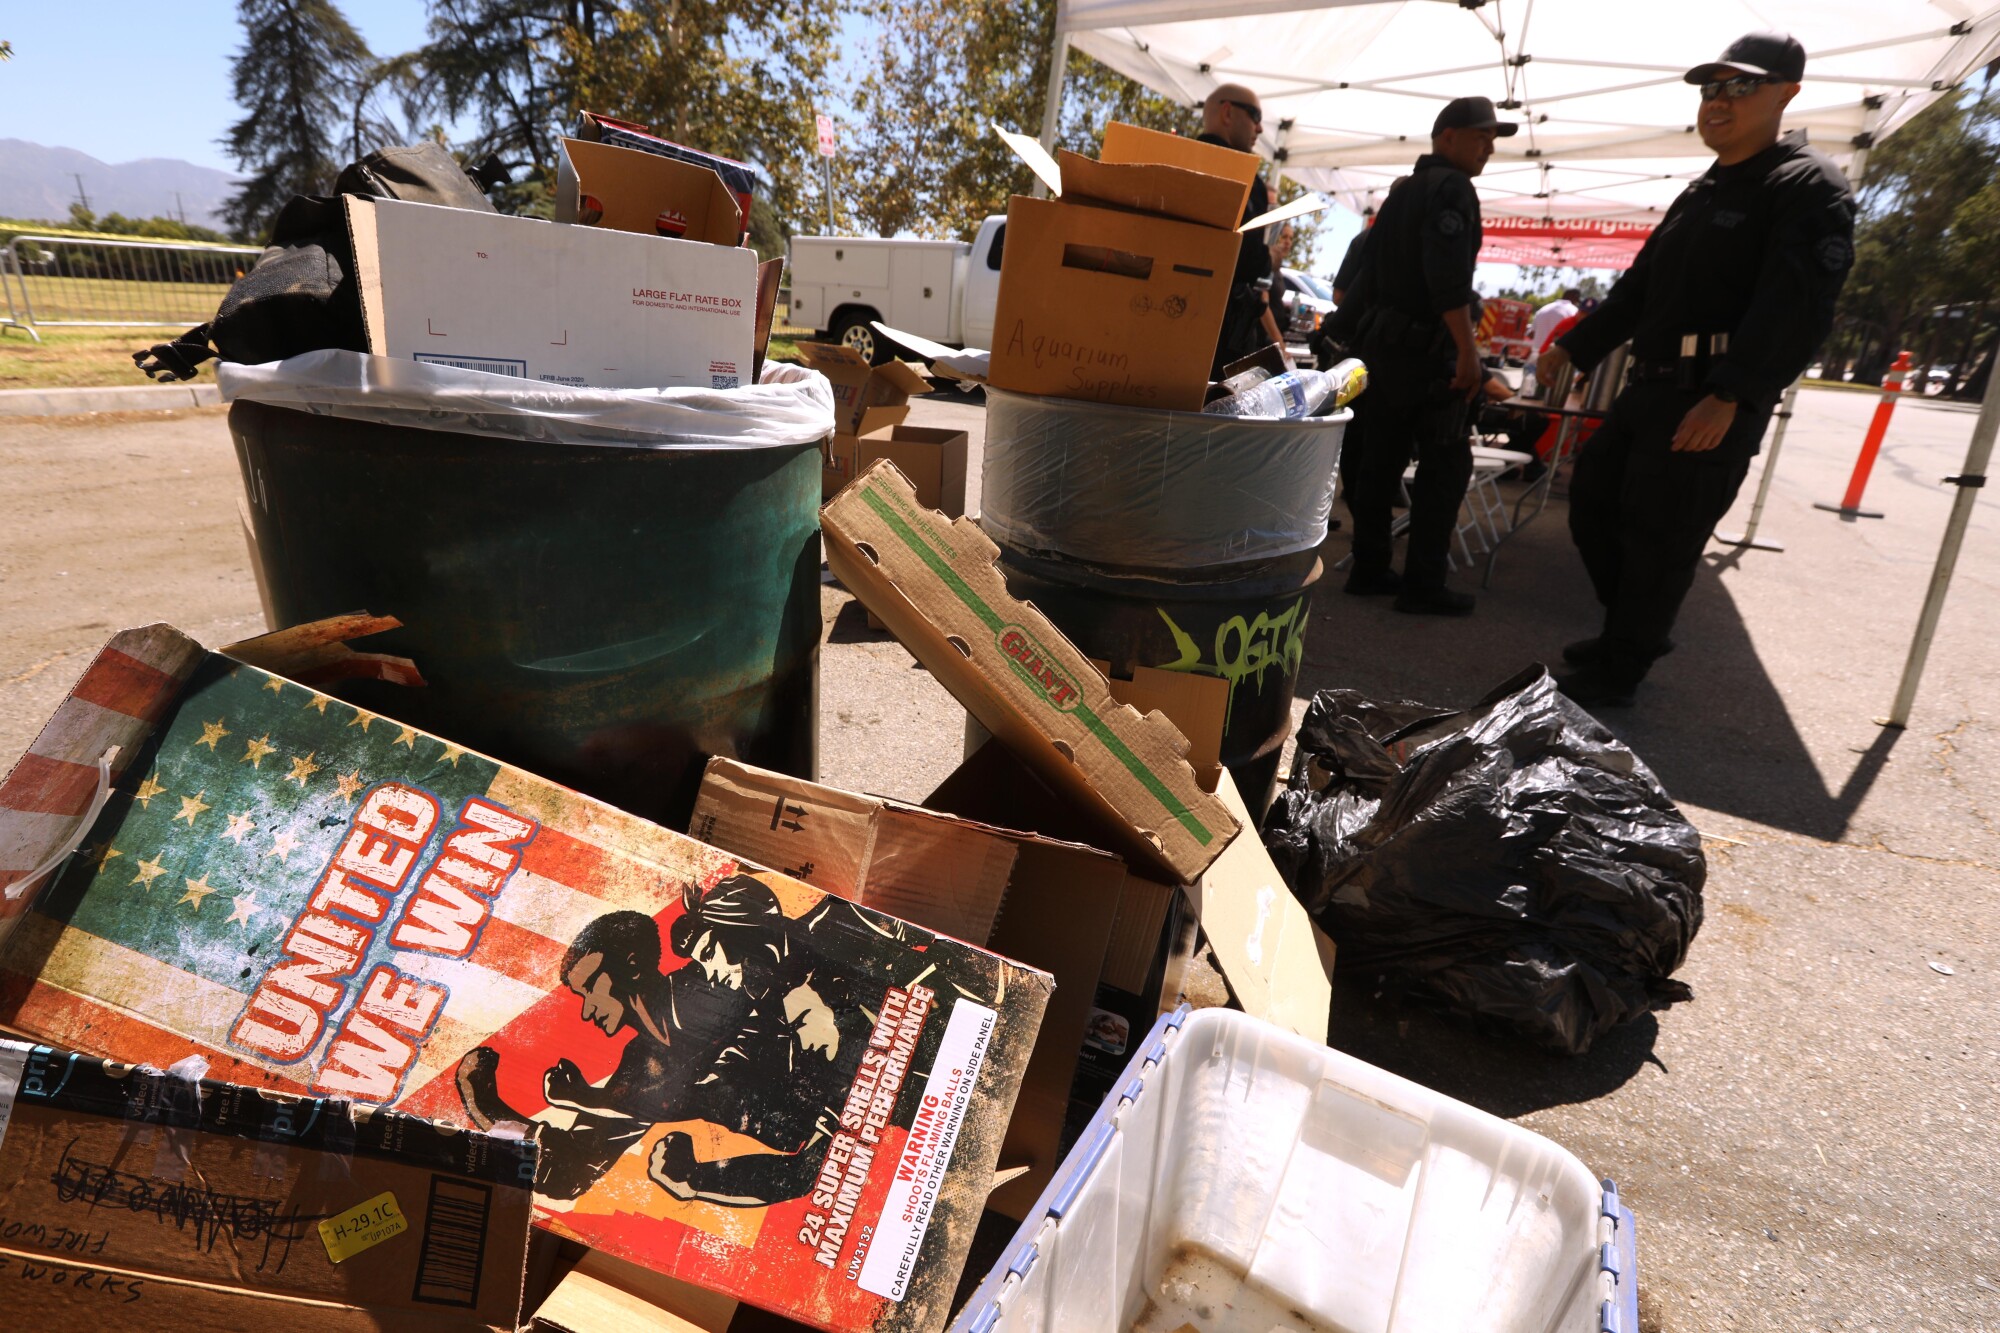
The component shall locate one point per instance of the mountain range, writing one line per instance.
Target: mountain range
(36, 183)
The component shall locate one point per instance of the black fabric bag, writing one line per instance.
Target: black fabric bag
(300, 295)
(1514, 860)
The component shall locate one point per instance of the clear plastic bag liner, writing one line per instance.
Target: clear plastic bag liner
(789, 407)
(1154, 489)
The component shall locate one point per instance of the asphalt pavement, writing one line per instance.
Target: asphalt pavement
(1809, 1144)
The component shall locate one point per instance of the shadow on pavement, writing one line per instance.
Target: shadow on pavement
(1495, 1071)
(1710, 721)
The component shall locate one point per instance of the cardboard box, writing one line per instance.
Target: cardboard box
(933, 582)
(598, 185)
(140, 1199)
(866, 399)
(580, 306)
(1049, 903)
(933, 459)
(740, 177)
(385, 916)
(1114, 289)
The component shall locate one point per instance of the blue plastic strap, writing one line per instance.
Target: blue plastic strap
(1132, 1090)
(1084, 1162)
(1020, 1267)
(984, 1321)
(1607, 1258)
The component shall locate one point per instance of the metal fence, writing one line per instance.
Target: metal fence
(64, 281)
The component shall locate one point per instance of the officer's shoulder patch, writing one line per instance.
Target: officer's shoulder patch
(1450, 221)
(1834, 253)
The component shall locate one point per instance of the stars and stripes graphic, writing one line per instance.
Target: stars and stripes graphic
(318, 899)
(158, 929)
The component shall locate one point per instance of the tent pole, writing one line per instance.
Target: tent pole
(1969, 482)
(1052, 100)
(1748, 537)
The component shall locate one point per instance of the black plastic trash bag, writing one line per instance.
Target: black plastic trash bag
(1514, 859)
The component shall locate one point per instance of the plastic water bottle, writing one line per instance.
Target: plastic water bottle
(1296, 393)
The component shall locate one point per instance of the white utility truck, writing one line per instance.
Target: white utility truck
(942, 290)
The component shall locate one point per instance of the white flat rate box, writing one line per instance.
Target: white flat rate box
(579, 306)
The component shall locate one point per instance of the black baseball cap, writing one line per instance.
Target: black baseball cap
(1472, 113)
(1777, 54)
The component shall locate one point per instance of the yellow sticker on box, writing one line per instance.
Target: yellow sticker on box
(362, 1227)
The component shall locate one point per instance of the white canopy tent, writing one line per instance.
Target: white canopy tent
(1350, 87)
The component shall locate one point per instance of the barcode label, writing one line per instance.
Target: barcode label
(454, 1242)
(487, 365)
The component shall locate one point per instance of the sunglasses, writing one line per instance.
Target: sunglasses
(1739, 87)
(1256, 113)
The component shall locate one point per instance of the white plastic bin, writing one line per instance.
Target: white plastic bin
(1244, 1180)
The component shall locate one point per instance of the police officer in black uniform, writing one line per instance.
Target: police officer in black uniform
(1725, 306)
(1410, 315)
(1232, 117)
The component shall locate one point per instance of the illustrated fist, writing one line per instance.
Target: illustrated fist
(564, 1083)
(671, 1163)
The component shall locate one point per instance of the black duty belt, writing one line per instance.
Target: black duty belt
(1698, 352)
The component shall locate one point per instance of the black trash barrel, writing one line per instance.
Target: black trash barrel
(602, 616)
(1247, 626)
(1178, 540)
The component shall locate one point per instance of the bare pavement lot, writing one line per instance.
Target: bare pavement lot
(1811, 1144)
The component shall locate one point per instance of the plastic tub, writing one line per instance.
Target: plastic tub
(1244, 1180)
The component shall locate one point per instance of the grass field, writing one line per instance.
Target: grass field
(81, 358)
(56, 300)
(95, 357)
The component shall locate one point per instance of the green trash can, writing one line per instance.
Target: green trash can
(603, 616)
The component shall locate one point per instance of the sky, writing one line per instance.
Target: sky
(156, 84)
(121, 80)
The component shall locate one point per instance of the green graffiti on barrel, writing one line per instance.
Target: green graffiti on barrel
(1245, 649)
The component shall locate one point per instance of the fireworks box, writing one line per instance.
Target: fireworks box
(737, 1079)
(599, 185)
(131, 1198)
(1050, 903)
(740, 177)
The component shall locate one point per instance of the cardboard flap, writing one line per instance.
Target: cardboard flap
(1298, 208)
(598, 185)
(1278, 965)
(860, 388)
(828, 357)
(820, 834)
(1129, 143)
(603, 1294)
(897, 378)
(1037, 158)
(941, 873)
(1197, 705)
(935, 584)
(1149, 187)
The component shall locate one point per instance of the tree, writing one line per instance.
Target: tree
(944, 74)
(298, 77)
(1926, 240)
(733, 77)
